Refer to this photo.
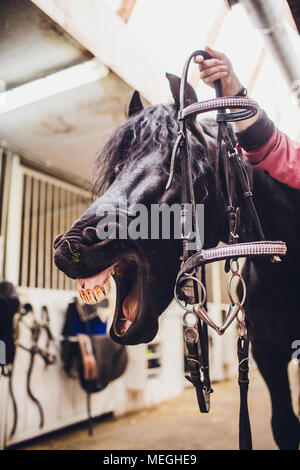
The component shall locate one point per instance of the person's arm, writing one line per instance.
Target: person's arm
(264, 146)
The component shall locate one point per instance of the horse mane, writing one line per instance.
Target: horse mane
(153, 128)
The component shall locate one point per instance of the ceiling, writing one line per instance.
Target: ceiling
(32, 45)
(61, 133)
(65, 131)
(295, 9)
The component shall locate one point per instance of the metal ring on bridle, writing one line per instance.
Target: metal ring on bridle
(241, 320)
(242, 331)
(193, 278)
(234, 271)
(185, 319)
(191, 334)
(188, 274)
(241, 303)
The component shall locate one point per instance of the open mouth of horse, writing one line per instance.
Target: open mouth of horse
(133, 320)
(94, 289)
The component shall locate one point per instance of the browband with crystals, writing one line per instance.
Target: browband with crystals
(250, 106)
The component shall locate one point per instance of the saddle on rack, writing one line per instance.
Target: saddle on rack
(88, 352)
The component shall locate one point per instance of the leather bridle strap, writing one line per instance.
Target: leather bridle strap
(234, 156)
(196, 361)
(194, 366)
(245, 439)
(197, 349)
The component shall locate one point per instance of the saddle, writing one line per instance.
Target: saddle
(88, 353)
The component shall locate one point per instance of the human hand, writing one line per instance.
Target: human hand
(218, 67)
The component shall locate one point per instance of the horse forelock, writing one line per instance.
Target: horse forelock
(154, 128)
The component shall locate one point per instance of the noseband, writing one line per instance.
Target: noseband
(192, 272)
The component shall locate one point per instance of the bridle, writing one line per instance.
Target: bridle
(192, 272)
(37, 328)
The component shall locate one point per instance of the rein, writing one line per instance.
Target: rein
(191, 277)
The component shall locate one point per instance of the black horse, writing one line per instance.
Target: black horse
(134, 164)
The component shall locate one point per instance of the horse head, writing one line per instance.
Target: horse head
(131, 172)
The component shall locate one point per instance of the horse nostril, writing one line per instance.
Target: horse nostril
(89, 235)
(57, 240)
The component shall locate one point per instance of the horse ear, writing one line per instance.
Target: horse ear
(135, 104)
(174, 83)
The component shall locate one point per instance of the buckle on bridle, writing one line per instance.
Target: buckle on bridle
(186, 237)
(232, 154)
(180, 116)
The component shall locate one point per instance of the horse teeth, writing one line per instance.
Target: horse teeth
(91, 297)
(106, 287)
(83, 296)
(103, 288)
(98, 294)
(95, 295)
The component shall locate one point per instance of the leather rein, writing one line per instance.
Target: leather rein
(191, 276)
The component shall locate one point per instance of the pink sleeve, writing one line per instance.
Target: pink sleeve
(280, 157)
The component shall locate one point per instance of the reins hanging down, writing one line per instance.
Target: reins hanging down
(196, 318)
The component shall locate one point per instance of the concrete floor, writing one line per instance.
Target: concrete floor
(177, 424)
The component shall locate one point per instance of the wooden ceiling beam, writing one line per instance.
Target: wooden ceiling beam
(125, 10)
(295, 10)
(98, 28)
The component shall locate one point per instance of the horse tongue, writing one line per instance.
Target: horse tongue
(130, 304)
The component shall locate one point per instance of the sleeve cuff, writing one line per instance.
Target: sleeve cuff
(256, 135)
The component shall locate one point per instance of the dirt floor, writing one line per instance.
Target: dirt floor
(177, 424)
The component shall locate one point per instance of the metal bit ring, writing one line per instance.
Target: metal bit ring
(185, 319)
(200, 283)
(229, 288)
(191, 335)
(236, 261)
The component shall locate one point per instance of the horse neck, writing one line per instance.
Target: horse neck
(278, 208)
